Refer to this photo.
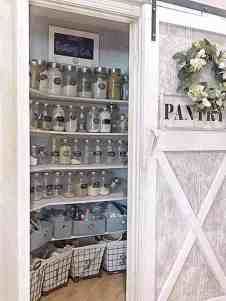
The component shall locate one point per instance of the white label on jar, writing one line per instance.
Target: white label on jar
(75, 161)
(70, 90)
(71, 125)
(55, 85)
(100, 89)
(104, 190)
(93, 191)
(33, 161)
(44, 82)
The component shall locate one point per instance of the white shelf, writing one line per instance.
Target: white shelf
(55, 167)
(83, 134)
(91, 235)
(76, 200)
(36, 95)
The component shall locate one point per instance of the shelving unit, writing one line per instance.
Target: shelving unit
(83, 134)
(51, 167)
(76, 200)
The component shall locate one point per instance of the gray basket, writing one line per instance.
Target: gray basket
(86, 261)
(37, 275)
(115, 256)
(62, 229)
(57, 270)
(115, 224)
(41, 236)
(82, 228)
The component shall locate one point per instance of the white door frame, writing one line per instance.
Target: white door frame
(113, 10)
(158, 141)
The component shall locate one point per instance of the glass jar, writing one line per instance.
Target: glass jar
(110, 153)
(97, 153)
(104, 183)
(114, 110)
(114, 84)
(82, 120)
(65, 152)
(85, 82)
(71, 122)
(54, 151)
(57, 184)
(68, 191)
(76, 153)
(70, 82)
(123, 124)
(43, 155)
(46, 118)
(47, 185)
(86, 154)
(122, 152)
(58, 119)
(81, 185)
(93, 120)
(35, 74)
(43, 78)
(36, 187)
(34, 158)
(105, 120)
(94, 185)
(55, 79)
(125, 87)
(99, 86)
(35, 115)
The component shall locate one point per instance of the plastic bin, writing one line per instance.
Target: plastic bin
(86, 261)
(95, 227)
(62, 229)
(41, 236)
(115, 256)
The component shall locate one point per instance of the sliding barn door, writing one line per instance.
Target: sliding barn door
(188, 154)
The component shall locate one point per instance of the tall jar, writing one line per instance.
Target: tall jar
(99, 85)
(55, 78)
(34, 74)
(85, 82)
(58, 118)
(70, 82)
(65, 152)
(81, 185)
(125, 87)
(114, 84)
(43, 78)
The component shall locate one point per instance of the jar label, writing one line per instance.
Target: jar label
(98, 153)
(106, 121)
(84, 186)
(43, 76)
(57, 81)
(60, 118)
(77, 154)
(55, 154)
(96, 185)
(123, 154)
(102, 86)
(47, 118)
(111, 154)
(58, 187)
(49, 188)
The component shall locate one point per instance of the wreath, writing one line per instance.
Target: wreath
(205, 96)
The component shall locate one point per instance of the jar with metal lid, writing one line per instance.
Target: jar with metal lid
(114, 84)
(70, 82)
(43, 76)
(55, 78)
(65, 152)
(81, 185)
(58, 118)
(125, 87)
(99, 86)
(85, 82)
(35, 74)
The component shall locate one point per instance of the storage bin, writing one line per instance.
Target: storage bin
(37, 274)
(62, 229)
(115, 256)
(95, 227)
(86, 261)
(118, 223)
(57, 270)
(41, 236)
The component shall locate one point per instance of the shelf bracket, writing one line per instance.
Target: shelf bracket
(153, 21)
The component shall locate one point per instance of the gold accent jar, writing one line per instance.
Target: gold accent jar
(114, 84)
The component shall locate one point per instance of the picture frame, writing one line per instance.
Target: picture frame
(68, 46)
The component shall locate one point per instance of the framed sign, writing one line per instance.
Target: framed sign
(69, 46)
(176, 112)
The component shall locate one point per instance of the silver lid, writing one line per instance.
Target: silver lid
(53, 65)
(115, 70)
(85, 69)
(69, 68)
(41, 62)
(100, 69)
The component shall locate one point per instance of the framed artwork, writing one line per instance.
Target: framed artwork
(68, 46)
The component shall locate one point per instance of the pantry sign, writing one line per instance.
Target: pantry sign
(177, 112)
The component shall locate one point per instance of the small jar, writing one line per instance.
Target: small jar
(123, 124)
(36, 187)
(35, 115)
(125, 87)
(105, 120)
(35, 74)
(93, 120)
(71, 124)
(43, 77)
(46, 118)
(47, 185)
(57, 184)
(99, 86)
(104, 183)
(54, 151)
(34, 158)
(85, 82)
(58, 119)
(70, 83)
(55, 79)
(65, 152)
(81, 185)
(94, 185)
(68, 192)
(76, 158)
(114, 84)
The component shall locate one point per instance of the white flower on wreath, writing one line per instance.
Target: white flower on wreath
(197, 64)
(219, 102)
(206, 102)
(201, 54)
(197, 92)
(197, 44)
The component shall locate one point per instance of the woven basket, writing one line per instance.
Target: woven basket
(37, 275)
(115, 256)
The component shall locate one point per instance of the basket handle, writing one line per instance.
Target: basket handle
(36, 265)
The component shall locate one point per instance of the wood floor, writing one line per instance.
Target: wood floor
(106, 288)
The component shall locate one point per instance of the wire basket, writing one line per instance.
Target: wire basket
(115, 256)
(37, 275)
(86, 261)
(57, 270)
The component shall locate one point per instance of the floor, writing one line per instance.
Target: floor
(108, 287)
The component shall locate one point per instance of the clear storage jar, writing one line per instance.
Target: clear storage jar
(34, 74)
(99, 86)
(70, 81)
(55, 78)
(114, 84)
(85, 82)
(43, 78)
